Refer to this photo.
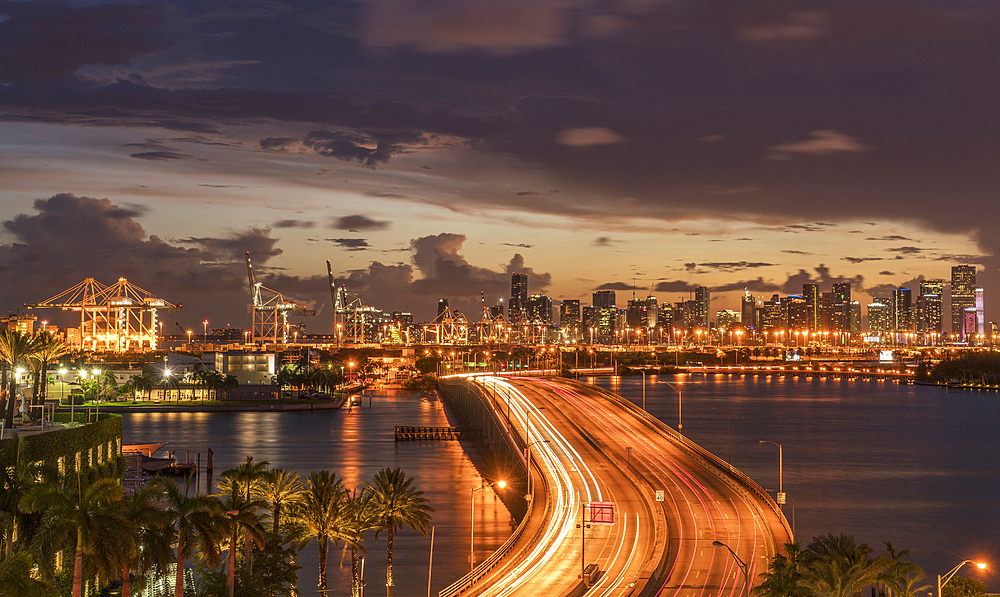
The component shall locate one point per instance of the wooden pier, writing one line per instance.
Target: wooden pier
(404, 433)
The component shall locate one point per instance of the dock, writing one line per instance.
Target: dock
(405, 433)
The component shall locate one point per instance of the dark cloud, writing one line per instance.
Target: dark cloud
(256, 241)
(891, 237)
(674, 286)
(755, 285)
(795, 252)
(731, 266)
(856, 260)
(604, 241)
(517, 245)
(444, 273)
(277, 143)
(823, 277)
(294, 224)
(886, 272)
(351, 244)
(906, 250)
(161, 155)
(355, 147)
(615, 286)
(51, 40)
(358, 222)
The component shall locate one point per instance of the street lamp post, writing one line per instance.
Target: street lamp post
(942, 581)
(527, 451)
(97, 376)
(739, 562)
(472, 526)
(781, 466)
(643, 371)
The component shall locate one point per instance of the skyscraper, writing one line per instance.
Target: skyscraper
(539, 309)
(703, 305)
(605, 299)
(569, 314)
(517, 308)
(442, 306)
(980, 313)
(963, 295)
(810, 292)
(746, 311)
(901, 309)
(929, 308)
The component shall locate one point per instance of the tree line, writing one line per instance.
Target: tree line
(242, 541)
(839, 566)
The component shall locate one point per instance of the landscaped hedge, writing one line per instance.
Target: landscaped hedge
(98, 445)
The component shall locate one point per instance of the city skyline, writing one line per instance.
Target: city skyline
(431, 151)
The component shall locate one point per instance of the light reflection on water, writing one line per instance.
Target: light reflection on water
(355, 445)
(913, 465)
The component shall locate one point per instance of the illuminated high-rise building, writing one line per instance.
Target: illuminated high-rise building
(518, 306)
(605, 299)
(539, 309)
(901, 309)
(703, 305)
(747, 310)
(569, 314)
(725, 319)
(442, 306)
(963, 295)
(854, 317)
(810, 292)
(879, 317)
(980, 313)
(928, 314)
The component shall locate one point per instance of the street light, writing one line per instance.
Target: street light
(739, 562)
(527, 451)
(781, 488)
(679, 426)
(205, 323)
(472, 527)
(942, 581)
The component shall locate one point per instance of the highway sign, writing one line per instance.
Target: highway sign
(602, 513)
(781, 497)
(659, 495)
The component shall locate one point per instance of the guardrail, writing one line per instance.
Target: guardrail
(489, 563)
(734, 477)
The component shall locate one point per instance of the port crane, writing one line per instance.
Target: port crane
(270, 311)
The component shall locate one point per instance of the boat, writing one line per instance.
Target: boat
(144, 449)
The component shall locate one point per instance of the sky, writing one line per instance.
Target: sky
(430, 148)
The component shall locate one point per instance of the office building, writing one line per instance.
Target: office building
(747, 304)
(854, 317)
(980, 313)
(442, 306)
(605, 299)
(725, 320)
(539, 309)
(517, 308)
(569, 313)
(879, 316)
(963, 296)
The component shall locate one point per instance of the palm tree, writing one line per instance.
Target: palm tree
(92, 517)
(241, 514)
(244, 481)
(783, 577)
(397, 504)
(363, 518)
(282, 489)
(15, 348)
(899, 575)
(143, 382)
(47, 349)
(322, 514)
(229, 383)
(16, 579)
(152, 534)
(195, 524)
(836, 566)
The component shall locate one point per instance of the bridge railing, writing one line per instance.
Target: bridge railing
(732, 476)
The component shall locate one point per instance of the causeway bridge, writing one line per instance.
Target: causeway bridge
(615, 502)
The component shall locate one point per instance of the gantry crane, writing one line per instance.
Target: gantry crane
(270, 311)
(120, 318)
(356, 322)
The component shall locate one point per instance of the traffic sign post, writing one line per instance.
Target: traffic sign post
(659, 495)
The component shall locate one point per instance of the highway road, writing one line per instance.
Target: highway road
(592, 447)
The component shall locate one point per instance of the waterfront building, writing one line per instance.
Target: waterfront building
(879, 316)
(747, 304)
(854, 317)
(569, 313)
(768, 315)
(963, 296)
(442, 306)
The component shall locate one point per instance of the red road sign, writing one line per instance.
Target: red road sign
(602, 513)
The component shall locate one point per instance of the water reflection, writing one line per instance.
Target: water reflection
(355, 444)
